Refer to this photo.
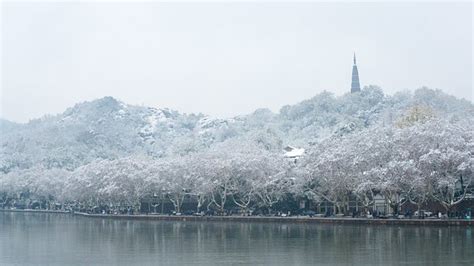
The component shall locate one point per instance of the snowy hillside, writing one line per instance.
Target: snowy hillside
(109, 129)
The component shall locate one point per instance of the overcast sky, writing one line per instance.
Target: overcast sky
(225, 59)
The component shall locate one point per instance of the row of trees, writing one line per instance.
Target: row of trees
(427, 162)
(233, 173)
(417, 163)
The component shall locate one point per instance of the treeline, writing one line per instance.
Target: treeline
(419, 159)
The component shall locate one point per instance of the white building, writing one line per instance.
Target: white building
(292, 152)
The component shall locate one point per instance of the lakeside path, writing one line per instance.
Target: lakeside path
(272, 219)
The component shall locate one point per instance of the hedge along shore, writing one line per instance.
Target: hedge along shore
(257, 219)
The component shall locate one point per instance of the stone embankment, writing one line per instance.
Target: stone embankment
(291, 219)
(268, 219)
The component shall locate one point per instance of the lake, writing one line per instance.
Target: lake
(63, 239)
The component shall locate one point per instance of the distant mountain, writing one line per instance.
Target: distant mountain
(108, 128)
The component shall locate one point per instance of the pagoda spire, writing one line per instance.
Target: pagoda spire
(355, 85)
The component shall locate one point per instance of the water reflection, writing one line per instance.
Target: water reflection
(54, 239)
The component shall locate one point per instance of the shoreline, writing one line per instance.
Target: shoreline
(270, 219)
(34, 211)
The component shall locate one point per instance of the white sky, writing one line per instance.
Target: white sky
(225, 59)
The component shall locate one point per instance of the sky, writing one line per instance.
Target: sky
(225, 59)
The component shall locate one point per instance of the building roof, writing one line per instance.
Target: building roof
(292, 152)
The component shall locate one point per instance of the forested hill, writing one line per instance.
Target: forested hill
(109, 129)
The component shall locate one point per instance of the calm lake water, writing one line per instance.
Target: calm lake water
(61, 239)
